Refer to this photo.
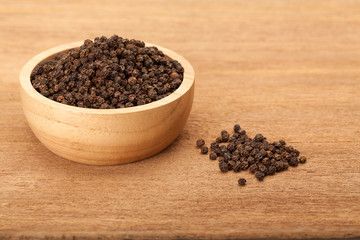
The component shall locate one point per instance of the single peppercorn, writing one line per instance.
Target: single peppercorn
(293, 161)
(214, 145)
(302, 159)
(200, 142)
(236, 128)
(237, 166)
(242, 181)
(260, 176)
(204, 150)
(231, 164)
(224, 136)
(223, 167)
(212, 156)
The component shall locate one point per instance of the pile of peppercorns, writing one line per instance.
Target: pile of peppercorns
(108, 73)
(238, 152)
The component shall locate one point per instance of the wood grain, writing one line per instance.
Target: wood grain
(287, 69)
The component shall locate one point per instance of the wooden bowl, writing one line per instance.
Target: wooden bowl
(106, 136)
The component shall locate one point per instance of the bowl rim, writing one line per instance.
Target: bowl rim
(25, 83)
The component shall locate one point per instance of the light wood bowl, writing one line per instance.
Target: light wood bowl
(106, 136)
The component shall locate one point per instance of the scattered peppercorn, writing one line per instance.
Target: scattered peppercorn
(204, 150)
(223, 167)
(262, 158)
(242, 181)
(108, 73)
(200, 143)
(302, 159)
(260, 176)
(237, 129)
(212, 156)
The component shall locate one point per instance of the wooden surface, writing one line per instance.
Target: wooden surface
(106, 136)
(287, 69)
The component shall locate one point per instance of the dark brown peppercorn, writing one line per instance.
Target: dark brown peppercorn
(236, 128)
(212, 156)
(266, 161)
(218, 151)
(204, 150)
(200, 143)
(260, 176)
(244, 165)
(231, 164)
(223, 167)
(227, 157)
(214, 145)
(231, 147)
(237, 167)
(259, 137)
(271, 170)
(224, 149)
(224, 136)
(293, 161)
(253, 168)
(302, 159)
(242, 181)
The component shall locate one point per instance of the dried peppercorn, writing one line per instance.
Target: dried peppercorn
(214, 145)
(236, 128)
(242, 181)
(212, 156)
(223, 167)
(204, 150)
(237, 166)
(224, 136)
(260, 176)
(253, 168)
(200, 143)
(302, 159)
(293, 161)
(231, 164)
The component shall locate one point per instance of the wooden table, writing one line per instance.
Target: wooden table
(287, 69)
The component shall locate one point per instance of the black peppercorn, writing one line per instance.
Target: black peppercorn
(293, 161)
(302, 159)
(242, 181)
(214, 145)
(224, 136)
(260, 176)
(204, 150)
(231, 164)
(200, 143)
(237, 166)
(212, 156)
(236, 128)
(223, 167)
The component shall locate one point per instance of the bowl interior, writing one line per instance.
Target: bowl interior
(188, 81)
